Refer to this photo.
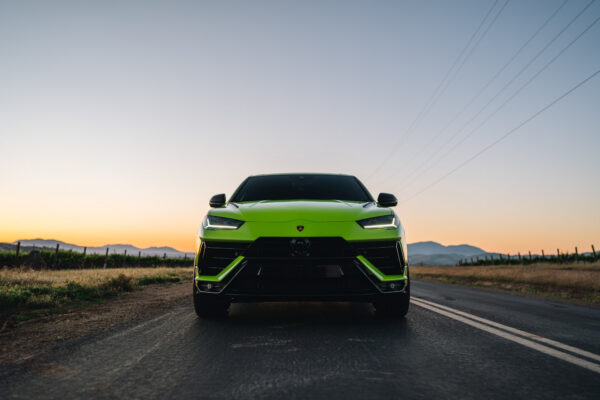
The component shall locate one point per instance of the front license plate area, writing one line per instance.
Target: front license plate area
(300, 271)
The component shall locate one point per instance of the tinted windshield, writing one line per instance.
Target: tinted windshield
(301, 187)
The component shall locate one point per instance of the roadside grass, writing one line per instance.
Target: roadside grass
(576, 282)
(26, 293)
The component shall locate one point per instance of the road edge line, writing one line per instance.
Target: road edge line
(589, 365)
(525, 334)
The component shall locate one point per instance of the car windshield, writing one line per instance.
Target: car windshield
(301, 187)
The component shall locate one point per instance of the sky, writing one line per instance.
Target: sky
(119, 119)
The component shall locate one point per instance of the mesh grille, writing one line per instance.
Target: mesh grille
(385, 255)
(214, 256)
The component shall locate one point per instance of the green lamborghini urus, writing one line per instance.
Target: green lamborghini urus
(290, 237)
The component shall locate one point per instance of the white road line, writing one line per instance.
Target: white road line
(517, 339)
(528, 335)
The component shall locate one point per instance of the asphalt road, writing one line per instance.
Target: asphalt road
(336, 350)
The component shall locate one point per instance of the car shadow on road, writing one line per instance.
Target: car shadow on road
(303, 329)
(313, 314)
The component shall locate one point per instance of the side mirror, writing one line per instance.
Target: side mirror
(387, 200)
(218, 200)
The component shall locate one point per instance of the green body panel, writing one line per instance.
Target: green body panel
(251, 231)
(320, 218)
(380, 275)
(308, 210)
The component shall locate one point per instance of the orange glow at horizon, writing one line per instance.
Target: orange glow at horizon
(180, 232)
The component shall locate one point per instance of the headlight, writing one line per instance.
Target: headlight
(383, 222)
(212, 222)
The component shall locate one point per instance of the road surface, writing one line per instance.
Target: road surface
(455, 343)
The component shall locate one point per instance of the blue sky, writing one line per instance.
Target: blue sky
(120, 119)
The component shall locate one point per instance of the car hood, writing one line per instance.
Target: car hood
(307, 210)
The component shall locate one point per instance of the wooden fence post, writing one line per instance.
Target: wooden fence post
(543, 255)
(139, 257)
(83, 260)
(18, 251)
(519, 257)
(56, 257)
(576, 255)
(106, 258)
(594, 251)
(530, 258)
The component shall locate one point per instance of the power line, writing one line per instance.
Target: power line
(420, 171)
(508, 99)
(422, 112)
(539, 53)
(454, 75)
(483, 88)
(507, 134)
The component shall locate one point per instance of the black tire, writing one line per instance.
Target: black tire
(393, 305)
(209, 305)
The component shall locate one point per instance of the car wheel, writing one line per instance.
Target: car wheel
(209, 305)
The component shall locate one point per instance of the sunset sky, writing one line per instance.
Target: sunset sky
(119, 120)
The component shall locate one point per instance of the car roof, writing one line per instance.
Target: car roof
(301, 173)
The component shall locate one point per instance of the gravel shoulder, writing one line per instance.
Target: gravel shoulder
(28, 340)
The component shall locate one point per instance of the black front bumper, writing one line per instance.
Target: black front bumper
(286, 269)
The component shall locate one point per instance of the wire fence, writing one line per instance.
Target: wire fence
(56, 258)
(527, 259)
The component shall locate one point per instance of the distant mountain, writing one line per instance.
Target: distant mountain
(48, 243)
(26, 244)
(436, 248)
(433, 253)
(163, 249)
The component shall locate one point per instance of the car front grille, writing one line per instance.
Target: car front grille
(214, 256)
(385, 255)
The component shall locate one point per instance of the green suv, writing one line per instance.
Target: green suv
(290, 237)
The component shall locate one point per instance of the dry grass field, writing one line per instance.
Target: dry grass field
(25, 293)
(579, 283)
(29, 277)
